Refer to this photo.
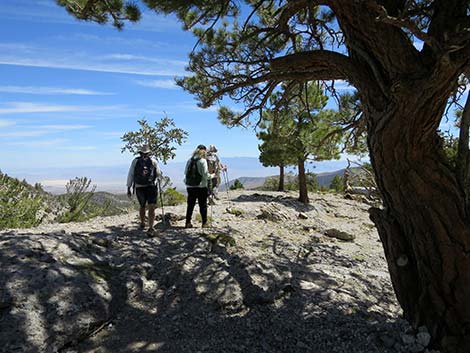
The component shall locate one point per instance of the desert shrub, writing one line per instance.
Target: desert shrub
(171, 197)
(78, 198)
(19, 206)
(236, 185)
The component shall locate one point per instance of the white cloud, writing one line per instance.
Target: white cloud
(80, 148)
(52, 90)
(37, 143)
(18, 54)
(6, 123)
(166, 84)
(34, 131)
(29, 107)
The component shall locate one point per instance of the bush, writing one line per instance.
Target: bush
(236, 185)
(171, 197)
(78, 199)
(19, 206)
(337, 184)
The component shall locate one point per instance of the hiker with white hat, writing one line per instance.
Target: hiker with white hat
(215, 166)
(142, 176)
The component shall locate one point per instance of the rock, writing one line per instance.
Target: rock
(273, 212)
(408, 339)
(5, 300)
(339, 234)
(302, 215)
(423, 338)
(388, 341)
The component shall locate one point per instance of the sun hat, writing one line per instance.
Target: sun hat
(212, 148)
(145, 149)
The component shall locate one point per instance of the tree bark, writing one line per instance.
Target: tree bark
(424, 225)
(303, 192)
(281, 178)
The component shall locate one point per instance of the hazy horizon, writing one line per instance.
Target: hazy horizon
(113, 178)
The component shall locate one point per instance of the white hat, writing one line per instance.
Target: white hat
(145, 149)
(212, 148)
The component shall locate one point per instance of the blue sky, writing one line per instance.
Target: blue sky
(70, 90)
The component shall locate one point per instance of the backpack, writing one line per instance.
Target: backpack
(144, 172)
(212, 163)
(193, 177)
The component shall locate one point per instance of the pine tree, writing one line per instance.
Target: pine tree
(404, 90)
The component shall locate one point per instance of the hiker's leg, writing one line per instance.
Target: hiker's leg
(202, 200)
(142, 215)
(152, 202)
(192, 195)
(151, 215)
(141, 197)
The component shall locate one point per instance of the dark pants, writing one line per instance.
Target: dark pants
(199, 194)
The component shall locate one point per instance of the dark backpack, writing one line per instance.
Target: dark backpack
(144, 172)
(193, 177)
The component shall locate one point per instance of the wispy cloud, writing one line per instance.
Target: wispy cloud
(39, 143)
(41, 130)
(166, 84)
(29, 107)
(18, 54)
(6, 123)
(80, 148)
(52, 91)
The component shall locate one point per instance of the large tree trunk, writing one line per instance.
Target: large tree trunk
(281, 178)
(424, 225)
(303, 192)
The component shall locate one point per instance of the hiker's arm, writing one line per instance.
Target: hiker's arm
(130, 177)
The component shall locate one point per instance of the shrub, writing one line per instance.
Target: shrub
(78, 199)
(171, 197)
(337, 184)
(236, 185)
(19, 206)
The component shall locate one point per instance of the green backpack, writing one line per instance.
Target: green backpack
(193, 177)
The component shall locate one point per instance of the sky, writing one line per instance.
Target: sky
(70, 89)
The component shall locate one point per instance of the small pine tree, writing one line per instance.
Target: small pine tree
(236, 185)
(337, 184)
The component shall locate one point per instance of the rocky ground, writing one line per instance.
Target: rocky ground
(271, 275)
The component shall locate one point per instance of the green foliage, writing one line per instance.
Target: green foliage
(102, 12)
(337, 183)
(19, 205)
(161, 138)
(171, 197)
(235, 211)
(236, 185)
(77, 198)
(450, 145)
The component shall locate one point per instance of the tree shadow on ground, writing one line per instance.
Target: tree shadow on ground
(177, 292)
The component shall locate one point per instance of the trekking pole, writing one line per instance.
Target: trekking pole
(160, 191)
(226, 183)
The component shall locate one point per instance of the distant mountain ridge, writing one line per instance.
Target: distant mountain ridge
(250, 183)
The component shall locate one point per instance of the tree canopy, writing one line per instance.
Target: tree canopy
(407, 60)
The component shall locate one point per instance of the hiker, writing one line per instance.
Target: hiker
(215, 166)
(143, 173)
(197, 177)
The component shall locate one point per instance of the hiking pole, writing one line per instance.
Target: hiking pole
(160, 191)
(225, 173)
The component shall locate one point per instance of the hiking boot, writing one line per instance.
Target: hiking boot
(142, 226)
(205, 225)
(188, 225)
(211, 202)
(151, 232)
